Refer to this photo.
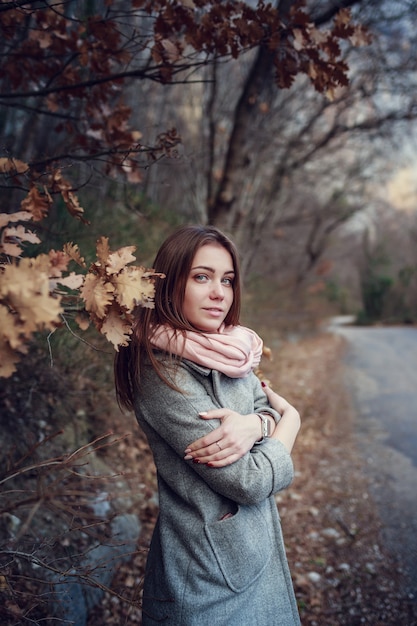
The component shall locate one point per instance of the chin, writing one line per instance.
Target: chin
(209, 328)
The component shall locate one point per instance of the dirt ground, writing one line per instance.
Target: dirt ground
(342, 574)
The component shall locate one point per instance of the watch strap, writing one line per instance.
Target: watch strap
(266, 426)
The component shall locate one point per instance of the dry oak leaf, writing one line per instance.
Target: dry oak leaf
(42, 264)
(10, 330)
(131, 170)
(97, 294)
(299, 40)
(72, 281)
(11, 249)
(103, 250)
(37, 203)
(26, 290)
(267, 352)
(73, 252)
(116, 329)
(13, 166)
(82, 320)
(343, 17)
(21, 233)
(8, 359)
(58, 262)
(360, 37)
(18, 216)
(73, 206)
(134, 287)
(118, 260)
(62, 185)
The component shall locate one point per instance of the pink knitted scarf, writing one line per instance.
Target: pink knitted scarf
(233, 350)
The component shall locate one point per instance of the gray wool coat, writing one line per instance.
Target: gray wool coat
(202, 569)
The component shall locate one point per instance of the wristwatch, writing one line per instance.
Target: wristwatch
(266, 426)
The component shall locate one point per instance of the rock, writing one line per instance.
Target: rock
(344, 567)
(314, 577)
(332, 533)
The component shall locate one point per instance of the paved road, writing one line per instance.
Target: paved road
(381, 365)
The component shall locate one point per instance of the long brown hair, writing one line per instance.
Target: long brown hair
(174, 260)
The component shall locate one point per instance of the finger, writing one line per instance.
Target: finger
(270, 393)
(214, 451)
(231, 458)
(224, 430)
(213, 414)
(204, 442)
(219, 451)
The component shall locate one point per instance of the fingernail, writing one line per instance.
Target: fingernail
(196, 461)
(187, 451)
(263, 384)
(203, 413)
(209, 464)
(188, 457)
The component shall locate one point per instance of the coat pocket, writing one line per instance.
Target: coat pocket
(242, 544)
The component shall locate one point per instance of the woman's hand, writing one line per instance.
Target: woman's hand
(228, 442)
(237, 433)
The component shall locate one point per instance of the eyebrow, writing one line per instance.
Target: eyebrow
(210, 269)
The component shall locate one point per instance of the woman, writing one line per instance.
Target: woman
(221, 443)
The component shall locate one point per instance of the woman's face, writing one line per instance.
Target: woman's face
(209, 288)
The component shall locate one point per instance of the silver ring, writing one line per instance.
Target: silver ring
(217, 443)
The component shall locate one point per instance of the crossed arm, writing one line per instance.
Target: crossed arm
(238, 433)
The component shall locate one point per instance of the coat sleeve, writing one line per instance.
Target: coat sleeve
(260, 400)
(172, 423)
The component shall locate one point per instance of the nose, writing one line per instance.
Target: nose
(217, 291)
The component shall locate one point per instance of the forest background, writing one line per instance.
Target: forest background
(288, 125)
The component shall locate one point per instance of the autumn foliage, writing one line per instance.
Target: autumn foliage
(35, 292)
(69, 68)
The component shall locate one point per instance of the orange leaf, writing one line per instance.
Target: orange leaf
(73, 252)
(10, 330)
(11, 249)
(82, 320)
(360, 37)
(36, 203)
(116, 329)
(72, 281)
(26, 289)
(119, 259)
(103, 250)
(62, 185)
(18, 216)
(42, 264)
(343, 16)
(58, 262)
(22, 234)
(133, 287)
(97, 294)
(14, 166)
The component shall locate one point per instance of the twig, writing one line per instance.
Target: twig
(87, 343)
(345, 528)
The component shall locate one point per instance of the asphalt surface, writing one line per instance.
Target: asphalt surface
(381, 374)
